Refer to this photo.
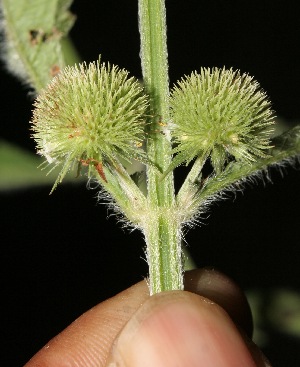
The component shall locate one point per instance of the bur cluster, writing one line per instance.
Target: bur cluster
(222, 114)
(90, 114)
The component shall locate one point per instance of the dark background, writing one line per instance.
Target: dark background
(60, 255)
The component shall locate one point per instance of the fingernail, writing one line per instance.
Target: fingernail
(178, 331)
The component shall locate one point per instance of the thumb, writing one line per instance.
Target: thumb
(180, 329)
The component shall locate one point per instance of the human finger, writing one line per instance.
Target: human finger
(87, 341)
(219, 288)
(181, 329)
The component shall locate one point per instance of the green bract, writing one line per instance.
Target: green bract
(220, 113)
(90, 115)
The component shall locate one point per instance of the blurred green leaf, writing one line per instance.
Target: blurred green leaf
(19, 169)
(274, 310)
(33, 32)
(284, 311)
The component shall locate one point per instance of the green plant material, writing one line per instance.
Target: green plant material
(161, 227)
(33, 34)
(95, 116)
(198, 194)
(286, 146)
(276, 309)
(89, 115)
(70, 54)
(220, 113)
(284, 311)
(18, 169)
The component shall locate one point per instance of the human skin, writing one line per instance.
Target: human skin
(208, 324)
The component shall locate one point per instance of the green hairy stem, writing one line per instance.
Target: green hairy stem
(162, 231)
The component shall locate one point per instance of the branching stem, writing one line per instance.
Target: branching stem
(162, 230)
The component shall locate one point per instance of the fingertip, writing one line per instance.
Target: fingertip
(180, 328)
(218, 287)
(87, 341)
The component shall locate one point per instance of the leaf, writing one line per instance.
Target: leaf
(33, 34)
(18, 169)
(285, 147)
(178, 159)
